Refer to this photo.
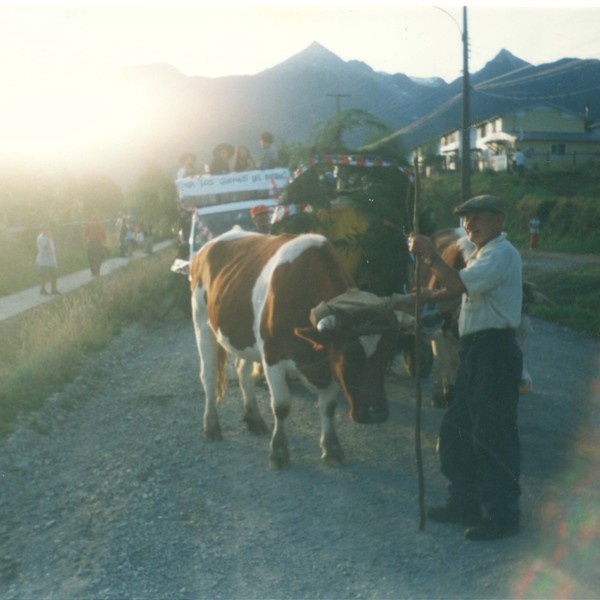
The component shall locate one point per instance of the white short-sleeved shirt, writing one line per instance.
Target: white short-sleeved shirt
(494, 288)
(46, 256)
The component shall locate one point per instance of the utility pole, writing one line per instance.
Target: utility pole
(466, 124)
(338, 98)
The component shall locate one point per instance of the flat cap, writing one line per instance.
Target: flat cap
(481, 203)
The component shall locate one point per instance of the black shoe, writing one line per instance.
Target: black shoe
(455, 513)
(493, 528)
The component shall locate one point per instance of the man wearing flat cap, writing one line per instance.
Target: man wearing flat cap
(479, 440)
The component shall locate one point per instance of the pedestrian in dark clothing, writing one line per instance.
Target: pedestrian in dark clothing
(479, 440)
(95, 243)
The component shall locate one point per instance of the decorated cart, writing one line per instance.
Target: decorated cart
(212, 204)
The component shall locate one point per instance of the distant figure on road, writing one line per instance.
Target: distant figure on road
(535, 226)
(147, 232)
(94, 237)
(121, 227)
(46, 261)
(519, 162)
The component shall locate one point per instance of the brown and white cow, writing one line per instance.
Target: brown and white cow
(454, 247)
(252, 296)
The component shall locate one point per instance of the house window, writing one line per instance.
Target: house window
(558, 149)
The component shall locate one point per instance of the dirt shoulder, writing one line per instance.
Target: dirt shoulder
(112, 492)
(535, 261)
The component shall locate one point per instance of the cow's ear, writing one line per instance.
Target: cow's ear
(318, 339)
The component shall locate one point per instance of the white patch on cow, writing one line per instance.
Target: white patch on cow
(251, 353)
(286, 253)
(369, 343)
(294, 248)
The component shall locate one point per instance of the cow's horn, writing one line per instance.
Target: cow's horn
(325, 323)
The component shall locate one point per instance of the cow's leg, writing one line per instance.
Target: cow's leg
(252, 416)
(332, 451)
(523, 331)
(279, 454)
(445, 349)
(208, 351)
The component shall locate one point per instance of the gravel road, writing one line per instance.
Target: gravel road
(112, 492)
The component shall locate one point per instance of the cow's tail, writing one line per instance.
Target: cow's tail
(221, 373)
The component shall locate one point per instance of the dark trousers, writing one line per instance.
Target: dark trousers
(479, 439)
(95, 256)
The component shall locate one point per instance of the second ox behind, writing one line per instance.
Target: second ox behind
(455, 248)
(253, 296)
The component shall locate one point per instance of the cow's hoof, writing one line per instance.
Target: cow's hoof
(333, 457)
(279, 459)
(212, 433)
(525, 387)
(257, 426)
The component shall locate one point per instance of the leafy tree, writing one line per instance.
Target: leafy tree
(348, 131)
(153, 197)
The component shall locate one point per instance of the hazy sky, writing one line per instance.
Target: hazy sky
(216, 39)
(51, 54)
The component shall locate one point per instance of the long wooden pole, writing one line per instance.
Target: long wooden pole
(418, 392)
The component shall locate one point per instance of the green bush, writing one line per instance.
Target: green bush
(566, 200)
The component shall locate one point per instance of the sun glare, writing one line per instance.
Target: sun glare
(57, 119)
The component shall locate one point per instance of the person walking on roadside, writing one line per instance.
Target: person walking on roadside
(519, 162)
(535, 226)
(95, 240)
(479, 439)
(46, 261)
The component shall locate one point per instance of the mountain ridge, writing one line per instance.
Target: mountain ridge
(293, 97)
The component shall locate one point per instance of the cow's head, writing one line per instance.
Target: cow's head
(359, 349)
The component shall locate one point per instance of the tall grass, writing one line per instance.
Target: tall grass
(575, 296)
(43, 349)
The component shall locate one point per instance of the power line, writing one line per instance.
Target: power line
(575, 64)
(338, 98)
(538, 98)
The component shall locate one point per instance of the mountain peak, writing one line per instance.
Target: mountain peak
(314, 55)
(319, 51)
(504, 62)
(508, 59)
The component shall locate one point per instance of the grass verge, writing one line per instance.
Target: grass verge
(43, 349)
(575, 296)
